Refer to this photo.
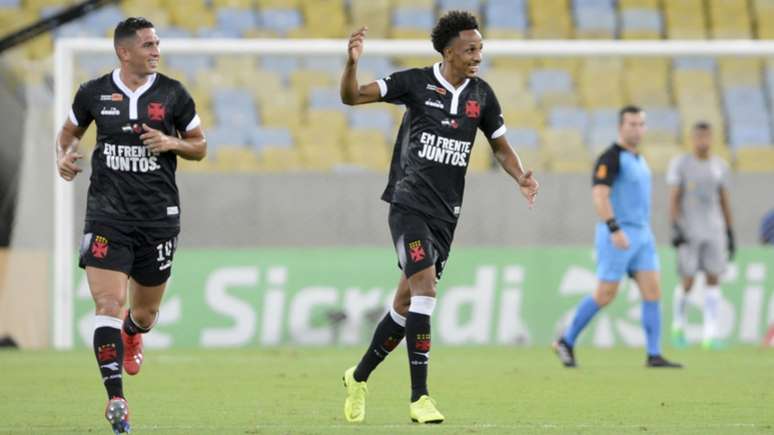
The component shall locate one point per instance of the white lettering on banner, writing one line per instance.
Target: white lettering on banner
(357, 305)
(480, 298)
(221, 302)
(300, 316)
(274, 306)
(511, 328)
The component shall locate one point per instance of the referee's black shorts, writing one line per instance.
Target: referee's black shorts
(420, 241)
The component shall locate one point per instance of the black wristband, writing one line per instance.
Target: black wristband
(612, 225)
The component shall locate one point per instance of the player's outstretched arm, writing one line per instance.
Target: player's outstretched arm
(352, 93)
(510, 161)
(192, 146)
(600, 194)
(67, 150)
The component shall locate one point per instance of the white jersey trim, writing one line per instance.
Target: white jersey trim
(195, 122)
(455, 92)
(382, 87)
(72, 117)
(134, 97)
(499, 132)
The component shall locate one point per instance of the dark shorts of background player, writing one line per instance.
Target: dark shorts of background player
(143, 253)
(420, 241)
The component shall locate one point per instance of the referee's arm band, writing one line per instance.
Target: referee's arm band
(612, 225)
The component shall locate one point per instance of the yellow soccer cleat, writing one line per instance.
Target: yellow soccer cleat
(354, 405)
(424, 411)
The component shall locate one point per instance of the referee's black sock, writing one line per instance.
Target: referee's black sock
(109, 350)
(418, 343)
(387, 335)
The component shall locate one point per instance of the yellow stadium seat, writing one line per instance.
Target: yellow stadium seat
(481, 158)
(279, 160)
(503, 33)
(319, 137)
(570, 64)
(367, 149)
(532, 159)
(658, 157)
(321, 158)
(278, 116)
(205, 165)
(192, 17)
(405, 62)
(740, 71)
(331, 120)
(304, 80)
(755, 159)
(656, 138)
(559, 99)
(564, 151)
(239, 4)
(638, 4)
(529, 118)
(373, 13)
(730, 19)
(266, 85)
(230, 158)
(424, 4)
(278, 4)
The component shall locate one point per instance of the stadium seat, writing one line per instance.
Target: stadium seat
(505, 19)
(543, 81)
(235, 19)
(685, 19)
(481, 158)
(730, 19)
(526, 118)
(740, 71)
(641, 24)
(755, 159)
(280, 21)
(267, 137)
(764, 14)
(473, 6)
(412, 22)
(235, 159)
(327, 98)
(659, 156)
(367, 149)
(594, 18)
(274, 159)
(550, 19)
(374, 13)
(377, 119)
(523, 138)
(568, 118)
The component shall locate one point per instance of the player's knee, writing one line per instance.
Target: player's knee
(652, 294)
(713, 280)
(108, 306)
(145, 317)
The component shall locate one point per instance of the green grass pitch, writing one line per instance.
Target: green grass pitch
(484, 390)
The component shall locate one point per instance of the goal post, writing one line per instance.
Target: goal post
(67, 48)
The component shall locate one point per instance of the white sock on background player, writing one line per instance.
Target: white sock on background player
(678, 309)
(712, 297)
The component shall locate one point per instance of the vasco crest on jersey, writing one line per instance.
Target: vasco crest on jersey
(156, 111)
(472, 109)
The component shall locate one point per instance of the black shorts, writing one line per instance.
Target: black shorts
(420, 241)
(143, 253)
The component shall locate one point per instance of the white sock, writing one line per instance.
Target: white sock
(678, 310)
(422, 305)
(712, 298)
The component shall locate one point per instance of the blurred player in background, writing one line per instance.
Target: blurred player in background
(624, 241)
(445, 104)
(702, 230)
(144, 120)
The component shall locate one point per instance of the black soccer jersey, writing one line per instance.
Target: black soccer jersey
(436, 137)
(128, 183)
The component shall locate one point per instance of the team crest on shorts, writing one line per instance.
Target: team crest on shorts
(417, 251)
(99, 247)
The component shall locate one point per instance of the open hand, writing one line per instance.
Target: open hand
(356, 44)
(529, 187)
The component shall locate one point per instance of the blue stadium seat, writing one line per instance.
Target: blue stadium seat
(174, 32)
(523, 138)
(595, 20)
(604, 118)
(239, 20)
(104, 19)
(641, 19)
(543, 81)
(330, 64)
(380, 66)
(10, 3)
(506, 14)
(96, 64)
(568, 118)
(600, 137)
(283, 65)
(262, 137)
(374, 119)
(745, 105)
(663, 119)
(700, 63)
(281, 21)
(326, 98)
(462, 5)
(234, 107)
(749, 134)
(226, 134)
(413, 18)
(190, 63)
(217, 32)
(593, 4)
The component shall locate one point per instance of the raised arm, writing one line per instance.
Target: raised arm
(510, 161)
(67, 150)
(351, 93)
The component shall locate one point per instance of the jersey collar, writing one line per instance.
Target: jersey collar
(133, 96)
(454, 92)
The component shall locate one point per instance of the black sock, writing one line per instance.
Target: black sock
(387, 336)
(131, 328)
(109, 350)
(418, 345)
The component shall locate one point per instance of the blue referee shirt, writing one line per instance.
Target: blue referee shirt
(628, 176)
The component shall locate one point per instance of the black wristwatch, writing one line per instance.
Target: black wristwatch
(612, 225)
